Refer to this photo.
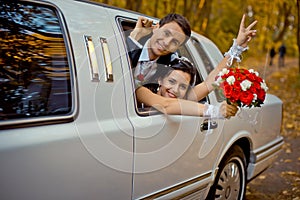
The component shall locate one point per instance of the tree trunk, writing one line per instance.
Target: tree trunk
(185, 6)
(129, 4)
(201, 19)
(173, 6)
(138, 4)
(286, 10)
(298, 32)
(156, 8)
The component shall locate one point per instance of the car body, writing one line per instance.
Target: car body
(70, 126)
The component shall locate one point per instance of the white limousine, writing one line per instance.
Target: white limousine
(71, 128)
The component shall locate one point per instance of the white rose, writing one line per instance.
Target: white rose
(230, 80)
(246, 84)
(264, 86)
(218, 81)
(223, 71)
(253, 72)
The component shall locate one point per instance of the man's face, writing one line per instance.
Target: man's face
(165, 40)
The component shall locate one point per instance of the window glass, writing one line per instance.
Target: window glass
(207, 63)
(205, 59)
(34, 70)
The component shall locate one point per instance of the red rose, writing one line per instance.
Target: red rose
(235, 96)
(261, 94)
(246, 98)
(251, 77)
(227, 90)
(240, 77)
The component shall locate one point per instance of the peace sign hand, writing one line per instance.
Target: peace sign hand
(245, 34)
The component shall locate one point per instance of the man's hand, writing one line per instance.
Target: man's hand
(245, 34)
(142, 28)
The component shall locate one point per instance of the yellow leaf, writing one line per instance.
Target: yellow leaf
(284, 192)
(261, 177)
(276, 87)
(290, 125)
(288, 161)
(288, 150)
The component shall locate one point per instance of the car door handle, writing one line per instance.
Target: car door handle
(92, 58)
(108, 64)
(208, 124)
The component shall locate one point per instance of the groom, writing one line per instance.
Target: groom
(162, 41)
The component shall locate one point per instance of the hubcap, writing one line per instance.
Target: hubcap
(229, 183)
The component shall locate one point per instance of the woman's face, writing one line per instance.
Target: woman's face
(174, 85)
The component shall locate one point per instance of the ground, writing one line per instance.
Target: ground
(282, 180)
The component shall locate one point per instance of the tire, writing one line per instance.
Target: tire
(230, 182)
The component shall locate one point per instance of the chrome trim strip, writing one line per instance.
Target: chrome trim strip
(178, 187)
(268, 151)
(189, 194)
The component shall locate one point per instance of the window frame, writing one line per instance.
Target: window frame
(148, 111)
(60, 118)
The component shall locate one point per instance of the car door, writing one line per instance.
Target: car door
(173, 156)
(76, 142)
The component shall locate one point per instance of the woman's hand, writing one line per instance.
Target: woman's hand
(245, 34)
(142, 28)
(227, 110)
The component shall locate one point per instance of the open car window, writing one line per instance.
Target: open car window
(127, 25)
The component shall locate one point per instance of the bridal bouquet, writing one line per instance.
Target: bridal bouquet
(242, 87)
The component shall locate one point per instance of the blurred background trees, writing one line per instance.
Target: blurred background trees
(219, 19)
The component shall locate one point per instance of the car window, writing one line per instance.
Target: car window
(34, 69)
(205, 59)
(207, 63)
(127, 25)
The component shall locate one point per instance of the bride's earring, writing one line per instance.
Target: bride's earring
(159, 85)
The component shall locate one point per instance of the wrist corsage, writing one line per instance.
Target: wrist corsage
(235, 52)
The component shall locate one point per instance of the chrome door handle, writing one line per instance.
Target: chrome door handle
(108, 64)
(208, 124)
(92, 58)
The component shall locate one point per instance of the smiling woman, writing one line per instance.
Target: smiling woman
(174, 80)
(171, 86)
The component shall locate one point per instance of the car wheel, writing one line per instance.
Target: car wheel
(230, 182)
